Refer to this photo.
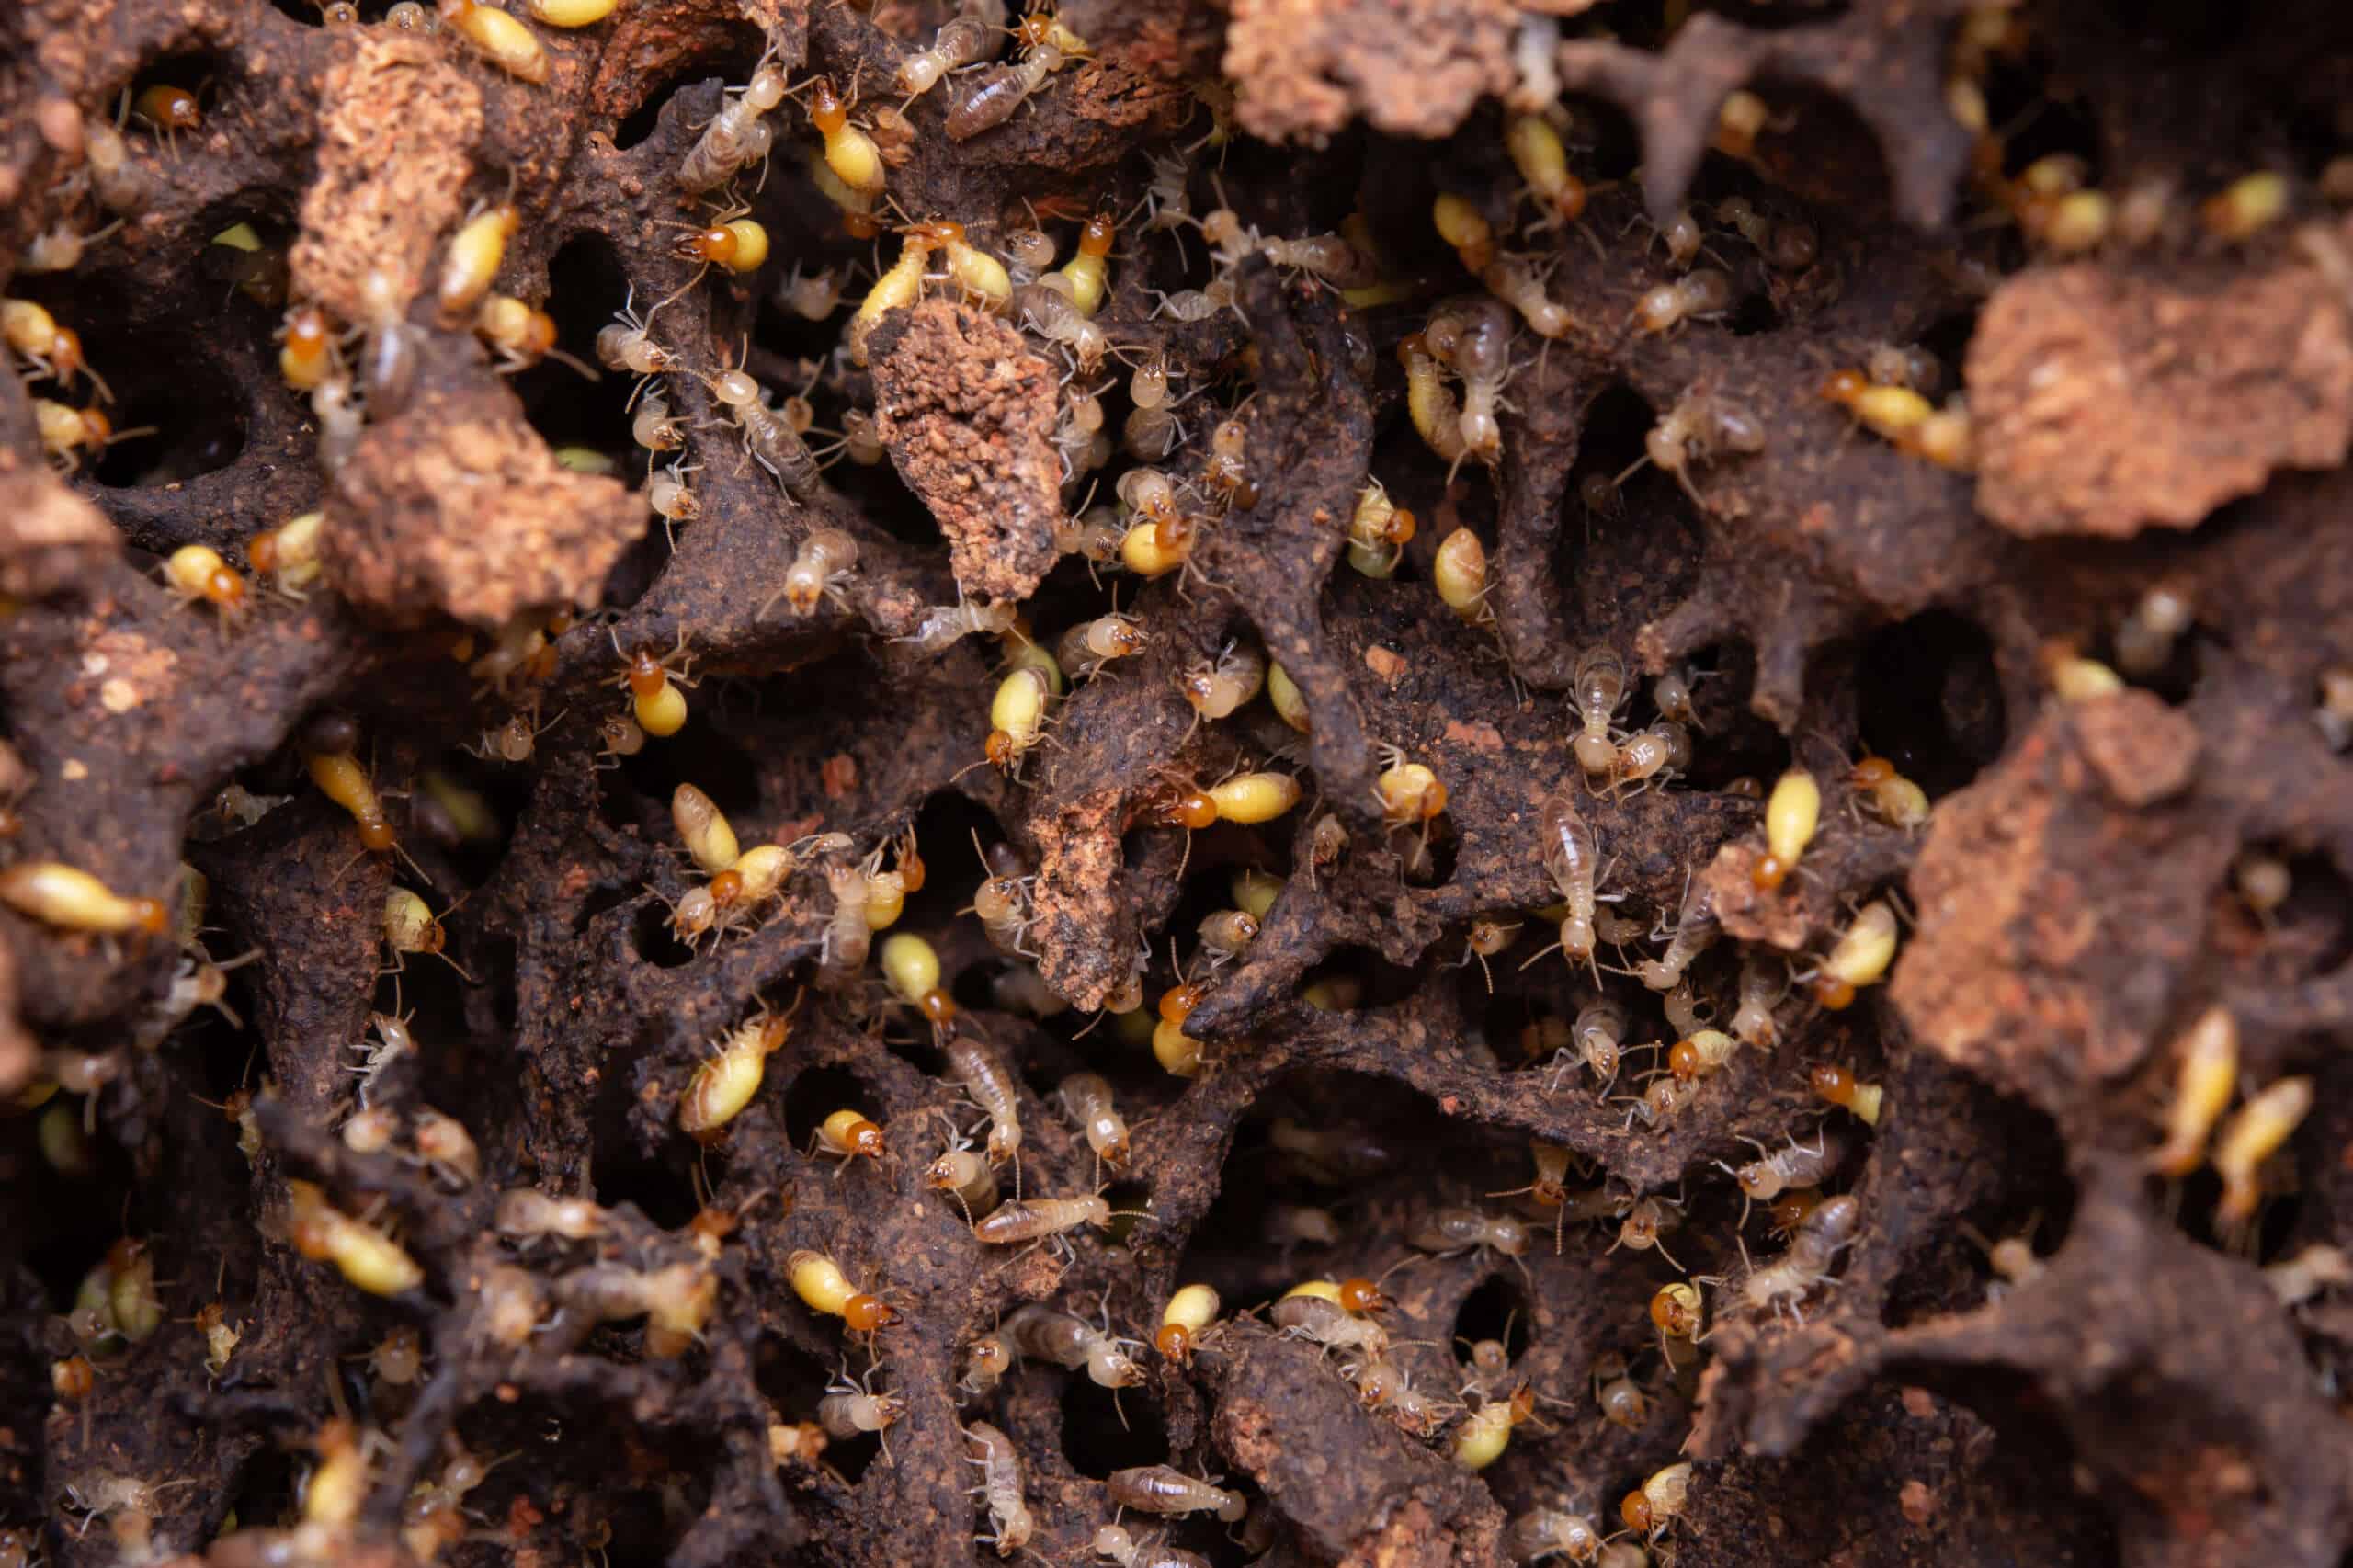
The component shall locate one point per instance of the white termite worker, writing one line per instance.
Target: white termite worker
(672, 499)
(738, 135)
(1312, 1312)
(1086, 1099)
(1454, 1229)
(1552, 1532)
(965, 1176)
(1596, 1039)
(1048, 1219)
(1832, 1225)
(1699, 429)
(1695, 929)
(1216, 687)
(626, 343)
(1596, 691)
(821, 570)
(1704, 295)
(1087, 647)
(1482, 356)
(1000, 1488)
(1046, 1333)
(1646, 1221)
(1764, 981)
(1572, 855)
(771, 441)
(851, 1409)
(941, 626)
(973, 1063)
(961, 41)
(1002, 900)
(1114, 1543)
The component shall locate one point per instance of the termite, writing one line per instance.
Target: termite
(1833, 1225)
(1860, 957)
(847, 1136)
(1313, 1311)
(525, 1213)
(1550, 1188)
(1703, 295)
(1000, 1487)
(1653, 1507)
(973, 1063)
(1839, 1086)
(1185, 1321)
(1115, 1543)
(1596, 1039)
(1549, 1532)
(771, 442)
(738, 135)
(1791, 813)
(2250, 1137)
(1046, 1334)
(966, 1176)
(820, 1283)
(961, 41)
(1452, 1229)
(1163, 1489)
(2205, 1082)
(1038, 1218)
(1573, 860)
(822, 568)
(1763, 982)
(725, 1082)
(1087, 1099)
(853, 1409)
(1893, 798)
(1774, 1172)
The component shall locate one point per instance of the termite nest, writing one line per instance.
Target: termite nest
(1174, 784)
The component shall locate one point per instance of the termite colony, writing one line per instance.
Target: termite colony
(760, 764)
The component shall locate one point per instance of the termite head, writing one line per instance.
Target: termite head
(1362, 1295)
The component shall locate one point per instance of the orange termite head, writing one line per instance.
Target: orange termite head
(73, 1378)
(1412, 347)
(224, 588)
(97, 428)
(1790, 1210)
(1523, 1403)
(375, 835)
(1175, 1342)
(712, 1224)
(262, 552)
(1870, 771)
(1173, 533)
(1362, 1296)
(826, 110)
(1095, 240)
(1770, 872)
(1843, 387)
(714, 245)
(65, 351)
(1570, 202)
(1834, 993)
(647, 676)
(866, 1313)
(306, 330)
(937, 1007)
(149, 916)
(998, 748)
(861, 225)
(1177, 1003)
(539, 333)
(1683, 1061)
(1636, 1511)
(911, 871)
(939, 230)
(1401, 525)
(866, 1138)
(1667, 1312)
(1833, 1082)
(727, 888)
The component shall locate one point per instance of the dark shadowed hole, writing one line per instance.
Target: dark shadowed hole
(1498, 1309)
(2188, 28)
(651, 938)
(180, 393)
(663, 1189)
(1754, 313)
(1094, 1438)
(1131, 1204)
(700, 756)
(1928, 700)
(585, 287)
